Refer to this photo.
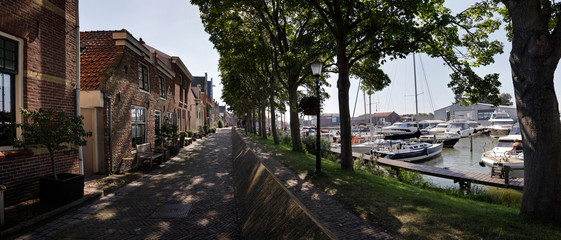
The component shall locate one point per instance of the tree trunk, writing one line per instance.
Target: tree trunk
(273, 120)
(538, 113)
(294, 120)
(264, 119)
(343, 85)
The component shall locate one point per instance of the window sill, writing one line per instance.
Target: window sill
(14, 153)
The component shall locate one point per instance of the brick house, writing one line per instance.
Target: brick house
(37, 70)
(139, 83)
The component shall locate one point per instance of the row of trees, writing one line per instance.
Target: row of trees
(266, 47)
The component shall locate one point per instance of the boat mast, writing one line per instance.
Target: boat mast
(416, 104)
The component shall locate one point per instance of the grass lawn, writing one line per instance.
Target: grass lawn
(407, 211)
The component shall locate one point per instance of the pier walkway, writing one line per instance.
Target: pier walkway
(464, 178)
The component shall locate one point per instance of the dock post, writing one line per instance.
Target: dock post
(506, 173)
(471, 142)
(2, 189)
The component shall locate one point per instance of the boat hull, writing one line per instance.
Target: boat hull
(516, 167)
(446, 142)
(497, 132)
(412, 156)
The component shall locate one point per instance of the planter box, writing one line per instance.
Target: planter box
(67, 188)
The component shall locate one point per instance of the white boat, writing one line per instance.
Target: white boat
(500, 156)
(408, 151)
(460, 127)
(439, 129)
(447, 140)
(501, 123)
(426, 125)
(367, 147)
(400, 130)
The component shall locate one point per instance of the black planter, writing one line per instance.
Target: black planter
(67, 188)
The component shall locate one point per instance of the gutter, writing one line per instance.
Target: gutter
(80, 153)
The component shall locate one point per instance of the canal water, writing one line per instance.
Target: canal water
(461, 158)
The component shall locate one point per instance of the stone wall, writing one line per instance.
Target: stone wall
(266, 207)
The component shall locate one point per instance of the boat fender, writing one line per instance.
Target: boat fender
(426, 151)
(481, 163)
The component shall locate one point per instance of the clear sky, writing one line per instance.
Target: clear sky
(174, 27)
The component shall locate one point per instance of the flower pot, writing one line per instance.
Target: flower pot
(67, 188)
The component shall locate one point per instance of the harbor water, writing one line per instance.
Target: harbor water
(461, 158)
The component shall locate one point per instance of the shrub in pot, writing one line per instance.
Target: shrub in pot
(55, 131)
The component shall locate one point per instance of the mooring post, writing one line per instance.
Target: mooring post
(2, 189)
(506, 173)
(471, 143)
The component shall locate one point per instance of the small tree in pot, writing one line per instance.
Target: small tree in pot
(55, 131)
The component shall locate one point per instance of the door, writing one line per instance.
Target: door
(89, 153)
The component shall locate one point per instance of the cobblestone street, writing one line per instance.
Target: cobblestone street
(190, 197)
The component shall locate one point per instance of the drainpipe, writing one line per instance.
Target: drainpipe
(80, 156)
(110, 134)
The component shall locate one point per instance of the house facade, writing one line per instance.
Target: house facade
(38, 69)
(132, 89)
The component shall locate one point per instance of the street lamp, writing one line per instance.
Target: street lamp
(316, 71)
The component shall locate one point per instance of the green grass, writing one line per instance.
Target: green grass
(408, 211)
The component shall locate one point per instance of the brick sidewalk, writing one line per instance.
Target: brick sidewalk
(191, 197)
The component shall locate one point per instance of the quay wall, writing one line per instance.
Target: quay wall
(267, 208)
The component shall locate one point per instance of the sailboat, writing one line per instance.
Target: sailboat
(409, 151)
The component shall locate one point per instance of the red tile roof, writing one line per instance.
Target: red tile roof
(99, 53)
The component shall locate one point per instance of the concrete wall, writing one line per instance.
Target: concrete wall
(266, 207)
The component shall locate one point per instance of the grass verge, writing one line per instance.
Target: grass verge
(407, 211)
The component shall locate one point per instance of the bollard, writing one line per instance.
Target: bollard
(2, 189)
(506, 170)
(471, 142)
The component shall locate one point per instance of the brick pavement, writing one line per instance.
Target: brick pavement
(197, 181)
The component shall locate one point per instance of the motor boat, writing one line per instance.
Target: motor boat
(500, 156)
(438, 129)
(425, 125)
(447, 140)
(367, 147)
(501, 123)
(460, 127)
(400, 130)
(408, 151)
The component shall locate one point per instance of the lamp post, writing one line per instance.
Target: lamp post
(316, 71)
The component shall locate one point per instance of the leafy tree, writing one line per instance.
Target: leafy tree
(535, 30)
(368, 33)
(506, 99)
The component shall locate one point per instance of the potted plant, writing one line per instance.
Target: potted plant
(55, 131)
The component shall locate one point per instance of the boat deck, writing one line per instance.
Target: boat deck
(462, 177)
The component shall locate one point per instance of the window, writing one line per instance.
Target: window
(162, 87)
(138, 117)
(169, 118)
(157, 121)
(186, 87)
(143, 81)
(180, 88)
(8, 70)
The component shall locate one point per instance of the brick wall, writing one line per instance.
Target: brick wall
(49, 79)
(125, 82)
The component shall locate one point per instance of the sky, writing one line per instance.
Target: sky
(175, 27)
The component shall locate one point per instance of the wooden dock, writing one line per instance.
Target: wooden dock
(462, 177)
